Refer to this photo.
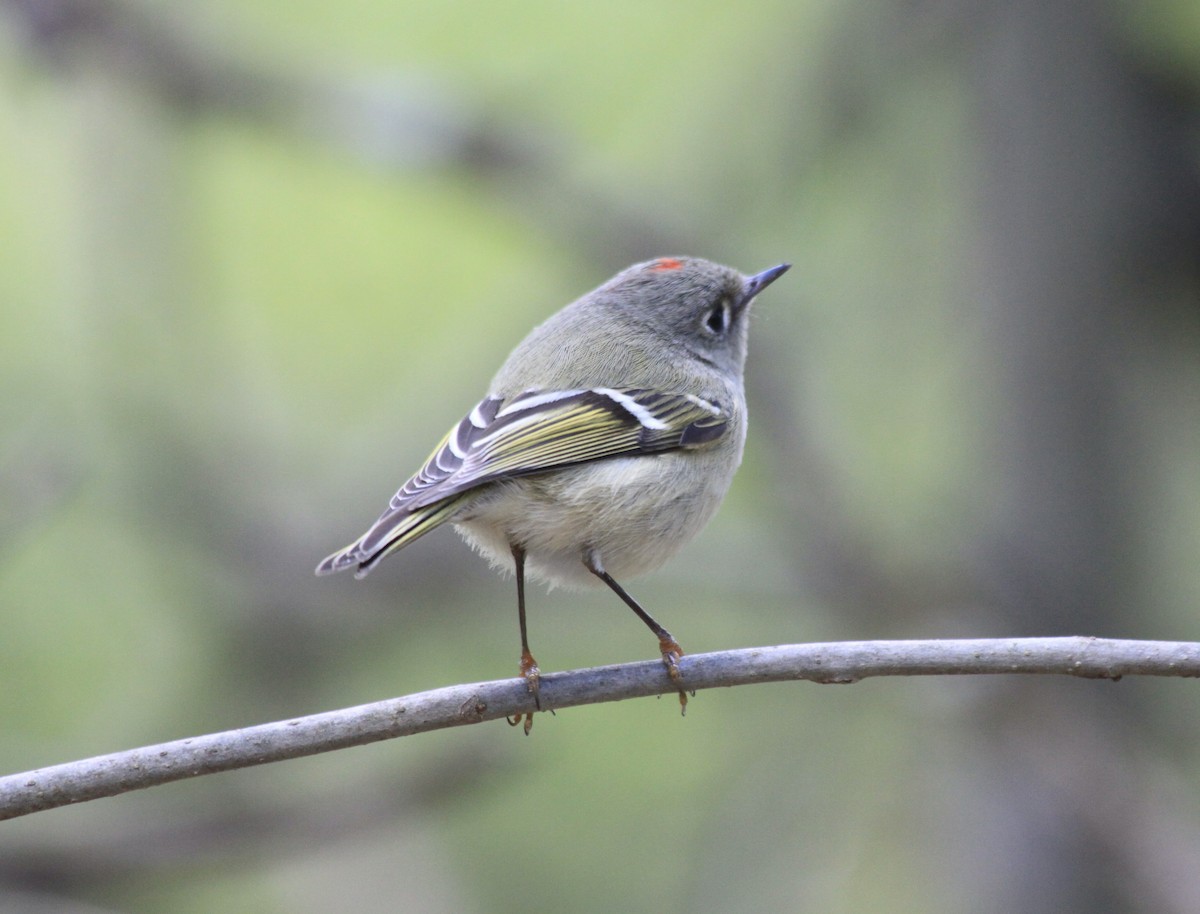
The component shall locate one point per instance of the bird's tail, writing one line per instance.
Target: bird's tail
(395, 529)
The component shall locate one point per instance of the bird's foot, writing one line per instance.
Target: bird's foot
(672, 653)
(533, 678)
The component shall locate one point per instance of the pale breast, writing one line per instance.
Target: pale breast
(622, 508)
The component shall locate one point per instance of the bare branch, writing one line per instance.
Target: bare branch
(838, 662)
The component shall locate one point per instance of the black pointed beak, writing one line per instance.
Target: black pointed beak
(760, 281)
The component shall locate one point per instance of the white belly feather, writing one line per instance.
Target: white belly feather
(617, 507)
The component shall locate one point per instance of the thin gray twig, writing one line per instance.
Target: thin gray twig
(453, 706)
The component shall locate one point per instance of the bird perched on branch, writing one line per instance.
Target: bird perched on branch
(606, 441)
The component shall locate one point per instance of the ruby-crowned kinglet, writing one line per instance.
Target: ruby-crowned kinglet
(606, 441)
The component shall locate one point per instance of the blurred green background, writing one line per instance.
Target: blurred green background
(255, 259)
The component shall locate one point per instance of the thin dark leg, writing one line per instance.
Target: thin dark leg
(671, 651)
(529, 668)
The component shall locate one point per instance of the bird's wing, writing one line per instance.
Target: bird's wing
(531, 433)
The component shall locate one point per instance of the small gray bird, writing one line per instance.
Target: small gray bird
(606, 441)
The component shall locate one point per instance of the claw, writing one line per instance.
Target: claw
(672, 653)
(517, 718)
(533, 678)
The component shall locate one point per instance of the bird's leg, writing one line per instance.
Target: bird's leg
(671, 651)
(529, 668)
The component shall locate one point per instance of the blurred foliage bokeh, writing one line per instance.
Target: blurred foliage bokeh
(256, 257)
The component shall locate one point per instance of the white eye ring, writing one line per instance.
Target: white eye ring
(716, 321)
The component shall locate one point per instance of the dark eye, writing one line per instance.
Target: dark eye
(716, 321)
